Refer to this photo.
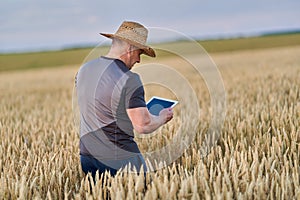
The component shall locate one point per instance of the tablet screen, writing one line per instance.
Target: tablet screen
(156, 104)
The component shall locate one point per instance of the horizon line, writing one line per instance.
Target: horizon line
(198, 39)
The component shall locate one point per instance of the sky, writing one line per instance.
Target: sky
(32, 25)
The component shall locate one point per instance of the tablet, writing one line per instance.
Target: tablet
(156, 104)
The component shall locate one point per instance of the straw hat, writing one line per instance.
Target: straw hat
(133, 33)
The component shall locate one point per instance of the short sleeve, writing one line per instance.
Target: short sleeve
(134, 96)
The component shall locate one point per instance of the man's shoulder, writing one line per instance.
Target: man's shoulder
(96, 62)
(133, 80)
(97, 65)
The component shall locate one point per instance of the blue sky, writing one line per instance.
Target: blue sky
(51, 24)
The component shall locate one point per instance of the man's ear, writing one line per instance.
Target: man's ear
(129, 48)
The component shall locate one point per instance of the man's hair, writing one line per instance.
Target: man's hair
(122, 45)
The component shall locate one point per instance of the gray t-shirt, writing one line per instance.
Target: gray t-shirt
(105, 89)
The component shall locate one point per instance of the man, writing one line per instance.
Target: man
(111, 103)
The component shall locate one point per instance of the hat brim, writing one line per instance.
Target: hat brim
(146, 49)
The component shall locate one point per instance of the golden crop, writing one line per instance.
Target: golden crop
(256, 157)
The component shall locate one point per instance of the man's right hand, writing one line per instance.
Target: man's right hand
(143, 122)
(166, 114)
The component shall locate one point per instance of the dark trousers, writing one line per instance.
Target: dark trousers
(89, 164)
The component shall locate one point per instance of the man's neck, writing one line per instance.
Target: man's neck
(116, 56)
(112, 55)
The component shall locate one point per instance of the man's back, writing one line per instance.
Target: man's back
(105, 89)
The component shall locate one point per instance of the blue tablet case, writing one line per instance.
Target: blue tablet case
(156, 105)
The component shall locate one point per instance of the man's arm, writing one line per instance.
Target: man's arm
(143, 122)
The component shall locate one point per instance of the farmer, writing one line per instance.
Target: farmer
(111, 102)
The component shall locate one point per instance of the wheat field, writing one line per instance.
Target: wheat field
(256, 157)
